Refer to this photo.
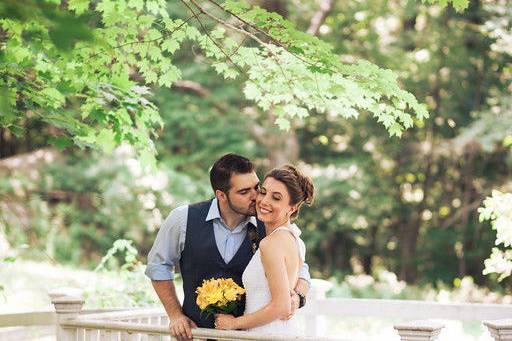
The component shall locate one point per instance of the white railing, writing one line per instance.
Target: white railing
(152, 324)
(34, 324)
(73, 323)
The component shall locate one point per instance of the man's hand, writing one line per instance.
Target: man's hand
(181, 326)
(295, 301)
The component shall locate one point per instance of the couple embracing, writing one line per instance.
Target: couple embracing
(244, 233)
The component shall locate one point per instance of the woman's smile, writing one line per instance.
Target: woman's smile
(263, 210)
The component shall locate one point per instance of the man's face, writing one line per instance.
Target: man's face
(242, 195)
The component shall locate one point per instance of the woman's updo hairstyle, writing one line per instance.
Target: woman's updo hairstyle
(299, 186)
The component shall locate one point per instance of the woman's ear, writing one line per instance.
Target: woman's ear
(293, 210)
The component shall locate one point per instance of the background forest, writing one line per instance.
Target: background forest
(385, 205)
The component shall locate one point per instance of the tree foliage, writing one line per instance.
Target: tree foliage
(407, 207)
(91, 80)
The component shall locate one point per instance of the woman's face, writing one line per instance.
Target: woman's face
(273, 203)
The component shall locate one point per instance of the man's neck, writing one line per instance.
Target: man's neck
(231, 219)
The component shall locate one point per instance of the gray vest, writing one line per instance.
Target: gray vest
(201, 260)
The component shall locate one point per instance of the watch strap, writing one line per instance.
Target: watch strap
(302, 300)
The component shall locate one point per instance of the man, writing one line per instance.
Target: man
(212, 239)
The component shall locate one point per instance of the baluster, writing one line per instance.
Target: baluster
(91, 334)
(117, 336)
(81, 334)
(107, 335)
(126, 336)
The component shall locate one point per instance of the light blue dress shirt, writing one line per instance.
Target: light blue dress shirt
(170, 242)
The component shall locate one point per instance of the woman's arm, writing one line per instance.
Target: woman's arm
(273, 259)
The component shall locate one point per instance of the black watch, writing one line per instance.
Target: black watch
(302, 299)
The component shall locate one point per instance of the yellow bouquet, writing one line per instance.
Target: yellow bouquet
(219, 295)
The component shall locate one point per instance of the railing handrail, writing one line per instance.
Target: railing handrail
(127, 313)
(409, 309)
(45, 317)
(134, 327)
(33, 318)
(72, 324)
(353, 307)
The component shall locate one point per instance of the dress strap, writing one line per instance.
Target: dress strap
(281, 228)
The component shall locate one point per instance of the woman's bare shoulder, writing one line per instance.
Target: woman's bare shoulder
(281, 240)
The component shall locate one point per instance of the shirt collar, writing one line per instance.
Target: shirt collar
(214, 213)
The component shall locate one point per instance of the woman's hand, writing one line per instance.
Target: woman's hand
(225, 322)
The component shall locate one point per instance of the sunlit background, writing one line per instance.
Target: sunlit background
(394, 218)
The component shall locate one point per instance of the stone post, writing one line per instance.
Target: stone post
(500, 330)
(423, 330)
(315, 324)
(68, 303)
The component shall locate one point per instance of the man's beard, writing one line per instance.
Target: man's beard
(242, 210)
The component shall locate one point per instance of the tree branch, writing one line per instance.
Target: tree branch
(460, 213)
(205, 31)
(319, 17)
(191, 86)
(257, 29)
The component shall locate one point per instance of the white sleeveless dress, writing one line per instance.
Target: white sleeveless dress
(257, 292)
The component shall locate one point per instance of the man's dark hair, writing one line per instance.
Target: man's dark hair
(227, 165)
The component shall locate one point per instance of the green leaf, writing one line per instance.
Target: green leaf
(106, 6)
(9, 259)
(136, 4)
(79, 6)
(460, 5)
(283, 123)
(220, 67)
(61, 142)
(169, 77)
(218, 33)
(170, 45)
(395, 130)
(153, 6)
(230, 74)
(54, 98)
(406, 119)
(106, 140)
(17, 130)
(251, 91)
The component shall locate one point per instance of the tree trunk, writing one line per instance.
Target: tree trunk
(372, 250)
(410, 232)
(469, 155)
(276, 6)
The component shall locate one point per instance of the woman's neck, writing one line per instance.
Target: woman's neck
(272, 226)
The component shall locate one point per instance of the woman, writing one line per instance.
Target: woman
(273, 270)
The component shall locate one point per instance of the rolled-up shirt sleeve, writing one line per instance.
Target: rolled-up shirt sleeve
(168, 245)
(304, 273)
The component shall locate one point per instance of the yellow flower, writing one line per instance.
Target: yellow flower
(201, 302)
(218, 293)
(230, 294)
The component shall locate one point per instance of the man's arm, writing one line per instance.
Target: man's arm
(164, 254)
(304, 282)
(180, 324)
(302, 287)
